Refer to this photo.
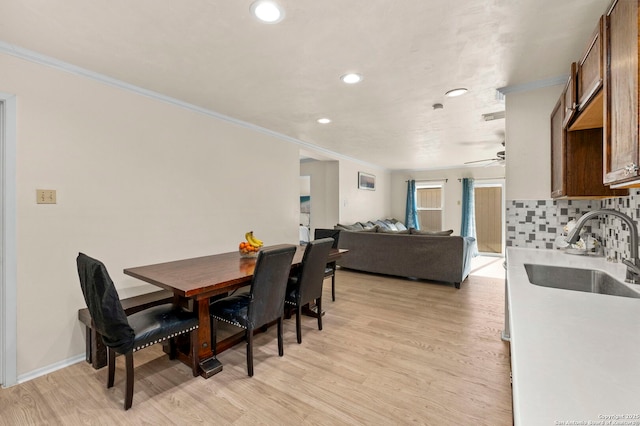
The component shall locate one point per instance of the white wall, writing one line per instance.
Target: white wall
(528, 146)
(138, 181)
(357, 205)
(452, 214)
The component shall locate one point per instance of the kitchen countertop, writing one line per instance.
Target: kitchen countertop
(575, 356)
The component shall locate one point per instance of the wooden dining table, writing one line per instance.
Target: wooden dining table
(194, 281)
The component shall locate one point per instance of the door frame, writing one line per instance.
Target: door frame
(8, 261)
(484, 183)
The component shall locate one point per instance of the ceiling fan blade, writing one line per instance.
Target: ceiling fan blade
(478, 143)
(482, 161)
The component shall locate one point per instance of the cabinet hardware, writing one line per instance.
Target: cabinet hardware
(630, 169)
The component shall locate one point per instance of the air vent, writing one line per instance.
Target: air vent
(493, 116)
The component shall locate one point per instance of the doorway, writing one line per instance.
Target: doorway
(305, 209)
(2, 310)
(8, 256)
(489, 218)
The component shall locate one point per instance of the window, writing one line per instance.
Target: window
(429, 198)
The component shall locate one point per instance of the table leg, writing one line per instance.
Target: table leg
(209, 364)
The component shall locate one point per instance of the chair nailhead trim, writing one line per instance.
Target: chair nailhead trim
(237, 324)
(177, 333)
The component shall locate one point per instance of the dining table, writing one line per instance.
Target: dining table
(195, 280)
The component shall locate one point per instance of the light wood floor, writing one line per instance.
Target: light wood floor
(392, 352)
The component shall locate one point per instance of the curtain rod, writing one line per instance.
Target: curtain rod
(493, 178)
(430, 180)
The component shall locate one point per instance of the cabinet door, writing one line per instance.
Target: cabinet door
(558, 154)
(569, 94)
(621, 93)
(576, 160)
(590, 68)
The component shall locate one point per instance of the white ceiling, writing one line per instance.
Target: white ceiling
(282, 77)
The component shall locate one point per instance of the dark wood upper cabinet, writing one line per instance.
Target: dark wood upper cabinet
(594, 124)
(591, 68)
(589, 82)
(576, 160)
(621, 160)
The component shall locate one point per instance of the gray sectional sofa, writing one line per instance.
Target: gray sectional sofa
(407, 253)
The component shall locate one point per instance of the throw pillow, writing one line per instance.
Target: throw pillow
(367, 225)
(401, 226)
(390, 224)
(374, 229)
(382, 224)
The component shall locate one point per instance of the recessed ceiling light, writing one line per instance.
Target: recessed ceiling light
(456, 92)
(351, 78)
(267, 11)
(324, 120)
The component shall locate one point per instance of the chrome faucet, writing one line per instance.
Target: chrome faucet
(633, 264)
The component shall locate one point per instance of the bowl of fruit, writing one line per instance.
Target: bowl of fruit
(251, 246)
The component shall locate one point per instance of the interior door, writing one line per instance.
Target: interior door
(488, 211)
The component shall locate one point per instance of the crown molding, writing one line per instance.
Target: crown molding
(48, 61)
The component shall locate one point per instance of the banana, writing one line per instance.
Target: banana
(252, 240)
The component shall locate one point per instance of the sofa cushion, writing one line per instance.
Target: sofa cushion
(436, 233)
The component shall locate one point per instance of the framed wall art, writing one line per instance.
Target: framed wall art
(366, 181)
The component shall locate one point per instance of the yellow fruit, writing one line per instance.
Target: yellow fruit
(252, 240)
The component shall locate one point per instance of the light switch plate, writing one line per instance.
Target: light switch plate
(46, 196)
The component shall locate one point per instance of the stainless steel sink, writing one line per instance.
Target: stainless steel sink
(588, 280)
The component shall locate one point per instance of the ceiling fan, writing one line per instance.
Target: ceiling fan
(499, 160)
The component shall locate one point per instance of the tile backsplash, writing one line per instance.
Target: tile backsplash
(537, 223)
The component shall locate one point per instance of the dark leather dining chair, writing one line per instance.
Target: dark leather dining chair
(306, 285)
(262, 304)
(330, 270)
(124, 334)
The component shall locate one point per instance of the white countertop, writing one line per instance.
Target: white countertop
(575, 356)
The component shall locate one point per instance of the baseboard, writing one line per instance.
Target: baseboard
(50, 368)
